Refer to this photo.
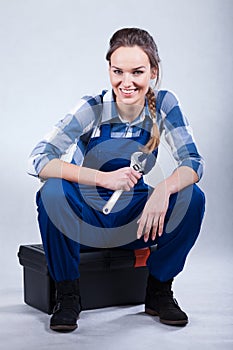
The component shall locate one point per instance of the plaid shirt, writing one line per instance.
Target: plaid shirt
(70, 136)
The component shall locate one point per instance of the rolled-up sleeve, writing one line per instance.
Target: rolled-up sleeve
(65, 134)
(179, 135)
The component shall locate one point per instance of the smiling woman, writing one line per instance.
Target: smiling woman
(136, 51)
(105, 131)
(130, 75)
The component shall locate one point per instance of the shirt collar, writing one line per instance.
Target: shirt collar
(110, 112)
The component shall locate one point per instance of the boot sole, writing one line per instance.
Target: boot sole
(64, 328)
(168, 322)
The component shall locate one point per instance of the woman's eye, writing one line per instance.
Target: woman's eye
(117, 71)
(137, 72)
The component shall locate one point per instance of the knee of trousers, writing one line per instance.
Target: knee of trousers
(55, 191)
(58, 196)
(187, 207)
(192, 197)
(197, 199)
(196, 207)
(59, 208)
(52, 190)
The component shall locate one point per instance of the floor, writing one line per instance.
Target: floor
(204, 290)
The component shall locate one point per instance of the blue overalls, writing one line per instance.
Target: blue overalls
(71, 219)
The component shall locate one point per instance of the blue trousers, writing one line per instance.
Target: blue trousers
(57, 220)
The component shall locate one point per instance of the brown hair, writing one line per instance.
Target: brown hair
(129, 37)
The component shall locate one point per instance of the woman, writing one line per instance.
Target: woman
(106, 130)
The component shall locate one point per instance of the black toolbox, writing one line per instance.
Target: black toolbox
(108, 277)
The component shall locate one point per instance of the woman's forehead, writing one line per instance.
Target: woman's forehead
(129, 57)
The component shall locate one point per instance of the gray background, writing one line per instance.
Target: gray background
(52, 53)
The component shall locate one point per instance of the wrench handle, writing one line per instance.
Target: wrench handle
(112, 201)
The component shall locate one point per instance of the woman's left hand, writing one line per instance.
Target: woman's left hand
(151, 221)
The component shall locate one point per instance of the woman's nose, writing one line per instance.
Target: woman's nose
(126, 80)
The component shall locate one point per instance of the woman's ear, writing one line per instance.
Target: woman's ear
(153, 74)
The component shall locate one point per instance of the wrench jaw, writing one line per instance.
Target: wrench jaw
(138, 168)
(138, 161)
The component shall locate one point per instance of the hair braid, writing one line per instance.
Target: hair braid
(155, 136)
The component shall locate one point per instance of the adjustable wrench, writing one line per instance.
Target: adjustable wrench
(137, 162)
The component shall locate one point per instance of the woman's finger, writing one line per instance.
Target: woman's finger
(161, 224)
(148, 227)
(154, 229)
(141, 223)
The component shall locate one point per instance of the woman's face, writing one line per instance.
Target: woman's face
(130, 74)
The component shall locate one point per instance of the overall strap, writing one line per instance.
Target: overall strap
(105, 130)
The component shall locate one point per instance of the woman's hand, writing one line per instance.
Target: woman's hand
(151, 221)
(153, 215)
(121, 179)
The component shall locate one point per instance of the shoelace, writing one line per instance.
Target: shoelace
(66, 302)
(167, 298)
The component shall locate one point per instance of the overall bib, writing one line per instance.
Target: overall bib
(71, 218)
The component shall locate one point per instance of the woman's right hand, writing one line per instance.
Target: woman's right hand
(121, 179)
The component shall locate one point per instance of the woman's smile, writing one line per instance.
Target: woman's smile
(128, 92)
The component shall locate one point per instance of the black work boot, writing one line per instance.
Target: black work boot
(67, 308)
(160, 302)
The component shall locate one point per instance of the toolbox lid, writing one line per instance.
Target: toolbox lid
(33, 256)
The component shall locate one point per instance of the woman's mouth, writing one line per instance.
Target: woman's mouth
(128, 92)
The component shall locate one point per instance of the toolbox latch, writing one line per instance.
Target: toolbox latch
(141, 256)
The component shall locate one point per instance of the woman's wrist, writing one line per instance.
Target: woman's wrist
(179, 179)
(99, 176)
(165, 187)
